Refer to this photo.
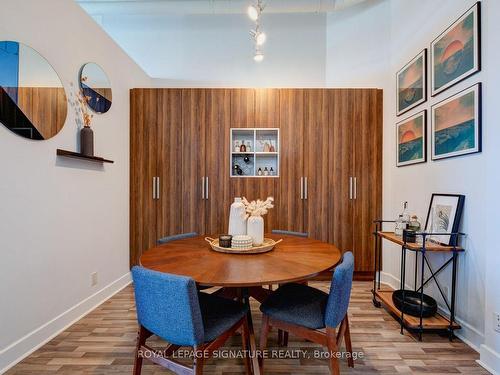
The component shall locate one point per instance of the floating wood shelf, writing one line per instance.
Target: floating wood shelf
(76, 155)
(435, 322)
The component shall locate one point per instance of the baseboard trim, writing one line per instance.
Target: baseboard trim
(490, 360)
(468, 334)
(20, 349)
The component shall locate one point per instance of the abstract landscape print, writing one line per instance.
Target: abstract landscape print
(455, 54)
(411, 138)
(412, 83)
(456, 124)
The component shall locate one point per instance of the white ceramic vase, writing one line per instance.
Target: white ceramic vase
(237, 218)
(255, 229)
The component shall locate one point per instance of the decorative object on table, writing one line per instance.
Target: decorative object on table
(402, 220)
(33, 102)
(411, 303)
(267, 245)
(86, 132)
(237, 218)
(456, 124)
(243, 148)
(255, 223)
(412, 140)
(411, 83)
(456, 53)
(414, 224)
(237, 145)
(241, 242)
(249, 146)
(225, 240)
(444, 215)
(95, 86)
(259, 172)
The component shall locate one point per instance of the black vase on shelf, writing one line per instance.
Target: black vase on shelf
(87, 141)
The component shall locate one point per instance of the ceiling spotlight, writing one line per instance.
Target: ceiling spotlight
(253, 12)
(258, 56)
(260, 38)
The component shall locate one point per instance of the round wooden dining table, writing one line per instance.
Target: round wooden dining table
(294, 259)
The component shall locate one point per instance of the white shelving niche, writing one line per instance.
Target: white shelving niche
(261, 151)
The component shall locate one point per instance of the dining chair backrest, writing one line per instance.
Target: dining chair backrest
(167, 305)
(174, 237)
(289, 233)
(340, 291)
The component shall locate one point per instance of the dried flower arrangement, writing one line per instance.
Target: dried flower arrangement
(79, 102)
(258, 207)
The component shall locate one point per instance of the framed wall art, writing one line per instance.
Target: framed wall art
(412, 140)
(456, 124)
(456, 53)
(411, 83)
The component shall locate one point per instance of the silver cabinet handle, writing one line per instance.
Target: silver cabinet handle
(207, 187)
(154, 188)
(203, 187)
(302, 188)
(350, 187)
(305, 187)
(355, 188)
(157, 187)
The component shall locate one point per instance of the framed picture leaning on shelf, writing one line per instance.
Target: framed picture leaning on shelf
(444, 215)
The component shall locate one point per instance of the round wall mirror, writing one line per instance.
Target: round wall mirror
(32, 98)
(95, 86)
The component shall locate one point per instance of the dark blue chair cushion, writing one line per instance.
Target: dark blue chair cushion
(219, 314)
(297, 304)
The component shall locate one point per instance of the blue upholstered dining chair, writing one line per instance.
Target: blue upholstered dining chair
(174, 237)
(170, 307)
(305, 311)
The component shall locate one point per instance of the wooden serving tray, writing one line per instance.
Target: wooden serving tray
(268, 245)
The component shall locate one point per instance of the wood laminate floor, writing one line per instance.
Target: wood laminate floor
(103, 343)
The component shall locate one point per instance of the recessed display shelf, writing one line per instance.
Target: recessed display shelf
(254, 152)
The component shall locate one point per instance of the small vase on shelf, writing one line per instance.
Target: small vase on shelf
(87, 141)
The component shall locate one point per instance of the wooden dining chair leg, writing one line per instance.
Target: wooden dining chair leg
(331, 340)
(142, 335)
(264, 332)
(348, 343)
(244, 341)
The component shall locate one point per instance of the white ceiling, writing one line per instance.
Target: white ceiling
(157, 7)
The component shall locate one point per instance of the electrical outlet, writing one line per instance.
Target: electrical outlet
(93, 279)
(496, 322)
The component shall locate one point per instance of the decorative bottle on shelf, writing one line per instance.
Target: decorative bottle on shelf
(243, 148)
(237, 146)
(266, 172)
(402, 221)
(271, 172)
(237, 218)
(259, 172)
(87, 141)
(249, 146)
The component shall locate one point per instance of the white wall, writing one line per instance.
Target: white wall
(61, 220)
(414, 24)
(216, 50)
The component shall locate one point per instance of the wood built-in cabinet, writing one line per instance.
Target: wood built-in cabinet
(329, 183)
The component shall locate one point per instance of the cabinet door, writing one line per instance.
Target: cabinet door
(169, 114)
(193, 160)
(317, 146)
(341, 122)
(143, 168)
(218, 123)
(290, 205)
(367, 173)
